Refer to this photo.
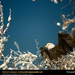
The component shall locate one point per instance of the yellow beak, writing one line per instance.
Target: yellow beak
(46, 46)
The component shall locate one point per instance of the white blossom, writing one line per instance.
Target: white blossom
(58, 24)
(73, 29)
(9, 18)
(3, 65)
(8, 24)
(63, 16)
(1, 29)
(10, 68)
(8, 59)
(1, 45)
(64, 27)
(60, 31)
(0, 51)
(5, 30)
(56, 1)
(5, 39)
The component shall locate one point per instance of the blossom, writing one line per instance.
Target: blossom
(9, 18)
(73, 29)
(1, 45)
(3, 65)
(64, 27)
(63, 16)
(1, 29)
(5, 39)
(10, 68)
(8, 24)
(5, 30)
(56, 1)
(58, 24)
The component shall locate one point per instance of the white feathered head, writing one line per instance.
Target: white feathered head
(50, 45)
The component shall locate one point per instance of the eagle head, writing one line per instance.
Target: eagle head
(50, 46)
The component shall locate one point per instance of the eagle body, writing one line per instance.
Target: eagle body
(65, 45)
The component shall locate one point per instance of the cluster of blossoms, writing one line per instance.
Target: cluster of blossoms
(56, 1)
(22, 61)
(2, 30)
(28, 61)
(66, 24)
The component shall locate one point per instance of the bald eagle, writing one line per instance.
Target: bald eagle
(65, 45)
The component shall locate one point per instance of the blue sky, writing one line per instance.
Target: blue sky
(30, 21)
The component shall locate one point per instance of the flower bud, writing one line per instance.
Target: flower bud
(9, 18)
(58, 24)
(5, 39)
(8, 24)
(64, 28)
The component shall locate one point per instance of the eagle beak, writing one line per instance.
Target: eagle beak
(46, 46)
